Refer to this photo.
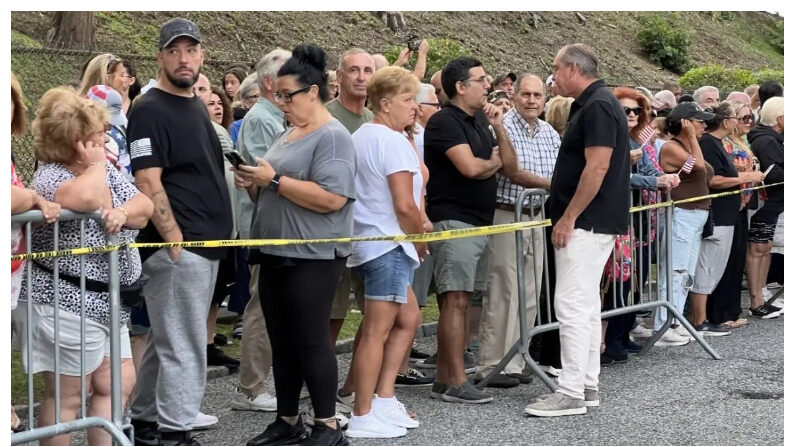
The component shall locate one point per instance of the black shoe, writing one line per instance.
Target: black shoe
(216, 357)
(177, 438)
(146, 433)
(523, 377)
(500, 381)
(437, 389)
(632, 347)
(416, 356)
(322, 434)
(764, 312)
(220, 340)
(413, 378)
(469, 362)
(280, 432)
(618, 357)
(708, 329)
(606, 360)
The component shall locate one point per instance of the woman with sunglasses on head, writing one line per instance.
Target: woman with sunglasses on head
(714, 250)
(682, 155)
(724, 304)
(305, 188)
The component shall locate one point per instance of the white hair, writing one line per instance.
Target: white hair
(247, 86)
(424, 93)
(701, 90)
(771, 110)
(269, 65)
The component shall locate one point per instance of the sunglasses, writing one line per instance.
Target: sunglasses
(747, 118)
(432, 104)
(636, 110)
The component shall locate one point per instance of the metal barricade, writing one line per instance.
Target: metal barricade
(114, 427)
(645, 302)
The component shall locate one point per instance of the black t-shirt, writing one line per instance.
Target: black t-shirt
(724, 209)
(596, 119)
(175, 133)
(451, 195)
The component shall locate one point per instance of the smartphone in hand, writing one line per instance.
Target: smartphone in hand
(235, 159)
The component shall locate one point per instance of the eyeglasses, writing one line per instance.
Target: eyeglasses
(431, 104)
(287, 97)
(250, 97)
(747, 118)
(636, 110)
(481, 80)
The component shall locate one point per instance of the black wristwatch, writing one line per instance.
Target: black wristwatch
(274, 184)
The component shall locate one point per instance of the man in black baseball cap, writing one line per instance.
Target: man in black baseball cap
(178, 27)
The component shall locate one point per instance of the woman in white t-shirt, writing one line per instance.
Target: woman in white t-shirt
(388, 195)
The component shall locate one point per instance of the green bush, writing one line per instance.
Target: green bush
(665, 43)
(725, 79)
(777, 41)
(769, 74)
(440, 51)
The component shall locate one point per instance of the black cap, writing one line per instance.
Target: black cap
(689, 110)
(178, 27)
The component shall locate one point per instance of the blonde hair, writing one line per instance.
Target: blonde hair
(96, 72)
(388, 82)
(736, 136)
(558, 113)
(773, 108)
(18, 119)
(62, 117)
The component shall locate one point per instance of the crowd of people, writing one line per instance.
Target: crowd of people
(295, 150)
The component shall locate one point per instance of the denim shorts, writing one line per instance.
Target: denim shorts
(387, 277)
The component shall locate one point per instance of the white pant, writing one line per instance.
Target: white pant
(579, 268)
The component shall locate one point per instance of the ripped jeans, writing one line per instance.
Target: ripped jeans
(685, 245)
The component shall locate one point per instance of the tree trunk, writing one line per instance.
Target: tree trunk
(72, 29)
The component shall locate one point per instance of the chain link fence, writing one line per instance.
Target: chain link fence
(40, 69)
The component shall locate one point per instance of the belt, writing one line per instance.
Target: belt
(526, 211)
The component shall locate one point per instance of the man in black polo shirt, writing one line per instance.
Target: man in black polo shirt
(177, 162)
(589, 206)
(462, 157)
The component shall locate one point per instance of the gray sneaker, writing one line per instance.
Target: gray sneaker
(556, 405)
(591, 398)
(437, 389)
(466, 394)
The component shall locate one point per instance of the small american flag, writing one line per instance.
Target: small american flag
(645, 135)
(688, 166)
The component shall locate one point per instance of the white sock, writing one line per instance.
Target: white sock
(383, 401)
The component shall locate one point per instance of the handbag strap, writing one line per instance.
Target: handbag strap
(91, 285)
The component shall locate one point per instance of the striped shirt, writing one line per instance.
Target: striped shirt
(536, 150)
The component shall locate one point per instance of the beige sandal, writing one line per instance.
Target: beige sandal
(740, 322)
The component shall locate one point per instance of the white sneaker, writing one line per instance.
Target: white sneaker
(774, 285)
(393, 412)
(345, 403)
(371, 426)
(671, 338)
(309, 419)
(203, 421)
(765, 293)
(682, 332)
(640, 331)
(550, 370)
(262, 402)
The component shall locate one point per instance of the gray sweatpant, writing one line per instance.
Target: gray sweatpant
(173, 371)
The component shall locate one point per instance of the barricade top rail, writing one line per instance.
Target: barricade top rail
(35, 216)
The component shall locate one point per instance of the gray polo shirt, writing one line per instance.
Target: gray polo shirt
(261, 125)
(326, 157)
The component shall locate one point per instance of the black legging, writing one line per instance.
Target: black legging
(296, 297)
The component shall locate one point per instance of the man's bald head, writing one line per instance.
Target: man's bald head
(202, 88)
(436, 81)
(380, 61)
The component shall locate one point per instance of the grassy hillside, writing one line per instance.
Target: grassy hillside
(519, 41)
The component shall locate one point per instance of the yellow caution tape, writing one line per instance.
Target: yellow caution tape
(425, 237)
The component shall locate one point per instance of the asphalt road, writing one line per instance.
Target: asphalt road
(671, 396)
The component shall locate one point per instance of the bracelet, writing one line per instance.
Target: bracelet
(92, 163)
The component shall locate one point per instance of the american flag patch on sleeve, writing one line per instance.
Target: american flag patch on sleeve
(141, 148)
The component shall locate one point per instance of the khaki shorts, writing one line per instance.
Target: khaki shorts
(342, 300)
(460, 265)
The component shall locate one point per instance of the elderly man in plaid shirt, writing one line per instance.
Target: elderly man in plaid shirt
(536, 144)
